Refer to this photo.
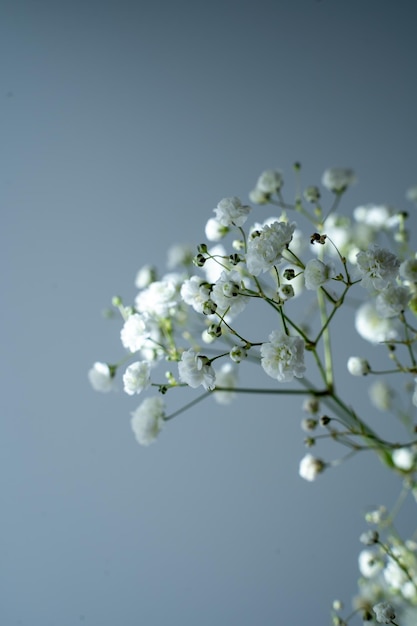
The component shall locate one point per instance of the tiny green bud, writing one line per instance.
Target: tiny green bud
(214, 330)
(202, 248)
(117, 301)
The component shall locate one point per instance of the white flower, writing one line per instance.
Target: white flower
(270, 182)
(374, 215)
(101, 377)
(336, 179)
(283, 357)
(136, 377)
(358, 366)
(372, 326)
(160, 298)
(195, 369)
(310, 467)
(369, 563)
(216, 263)
(226, 377)
(392, 301)
(377, 266)
(381, 395)
(148, 420)
(179, 254)
(384, 612)
(408, 270)
(195, 292)
(394, 574)
(231, 212)
(134, 333)
(237, 354)
(403, 458)
(214, 230)
(145, 276)
(265, 247)
(317, 273)
(226, 293)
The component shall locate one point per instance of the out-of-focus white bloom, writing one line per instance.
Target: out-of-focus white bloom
(179, 254)
(411, 194)
(226, 293)
(136, 377)
(378, 267)
(408, 270)
(370, 563)
(336, 179)
(372, 326)
(265, 247)
(195, 369)
(231, 212)
(226, 377)
(369, 538)
(310, 467)
(394, 575)
(384, 612)
(392, 300)
(381, 395)
(213, 267)
(317, 273)
(283, 356)
(339, 230)
(258, 197)
(159, 299)
(358, 366)
(270, 182)
(403, 458)
(376, 216)
(101, 377)
(214, 230)
(195, 292)
(145, 276)
(148, 420)
(312, 194)
(134, 333)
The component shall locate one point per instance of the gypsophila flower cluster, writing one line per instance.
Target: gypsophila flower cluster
(289, 273)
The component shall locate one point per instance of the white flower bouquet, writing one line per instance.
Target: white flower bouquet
(189, 319)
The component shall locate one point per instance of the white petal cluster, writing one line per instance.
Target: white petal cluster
(195, 370)
(148, 420)
(231, 212)
(317, 273)
(136, 377)
(408, 270)
(376, 216)
(282, 357)
(378, 267)
(392, 300)
(159, 299)
(100, 377)
(310, 467)
(195, 292)
(372, 327)
(134, 333)
(265, 247)
(357, 366)
(337, 179)
(214, 230)
(384, 612)
(369, 563)
(403, 458)
(145, 276)
(268, 183)
(226, 293)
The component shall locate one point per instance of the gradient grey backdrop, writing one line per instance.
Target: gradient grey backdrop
(122, 126)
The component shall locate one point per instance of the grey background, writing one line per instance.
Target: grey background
(123, 124)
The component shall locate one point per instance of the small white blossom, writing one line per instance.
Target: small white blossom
(358, 366)
(403, 458)
(283, 356)
(370, 564)
(101, 377)
(372, 326)
(392, 301)
(226, 377)
(216, 263)
(377, 266)
(226, 293)
(311, 467)
(265, 247)
(408, 270)
(160, 298)
(231, 212)
(394, 574)
(195, 369)
(148, 420)
(336, 179)
(317, 273)
(195, 292)
(381, 395)
(134, 333)
(376, 216)
(179, 254)
(214, 230)
(384, 612)
(136, 377)
(270, 182)
(237, 354)
(145, 276)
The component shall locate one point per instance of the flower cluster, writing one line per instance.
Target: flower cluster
(187, 322)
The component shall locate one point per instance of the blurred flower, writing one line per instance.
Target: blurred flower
(101, 377)
(148, 419)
